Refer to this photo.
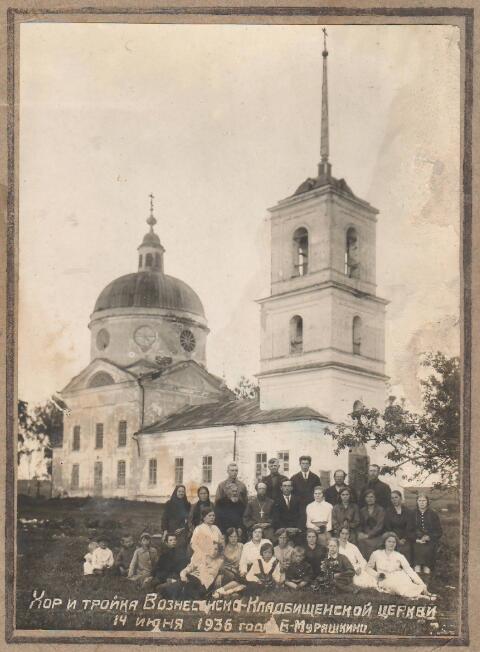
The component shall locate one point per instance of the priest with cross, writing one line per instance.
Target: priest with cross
(259, 511)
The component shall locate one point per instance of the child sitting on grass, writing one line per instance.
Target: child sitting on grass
(88, 563)
(102, 558)
(124, 556)
(299, 572)
(265, 574)
(143, 561)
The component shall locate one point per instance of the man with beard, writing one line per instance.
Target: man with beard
(381, 489)
(232, 479)
(260, 510)
(274, 479)
(229, 512)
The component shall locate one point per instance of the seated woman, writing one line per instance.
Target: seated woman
(197, 579)
(393, 572)
(175, 515)
(400, 520)
(195, 517)
(299, 573)
(372, 518)
(284, 548)
(319, 516)
(364, 577)
(230, 580)
(206, 533)
(428, 531)
(251, 550)
(315, 553)
(265, 573)
(336, 572)
(346, 514)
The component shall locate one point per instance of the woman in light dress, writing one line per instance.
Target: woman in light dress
(230, 580)
(393, 572)
(283, 550)
(207, 533)
(365, 577)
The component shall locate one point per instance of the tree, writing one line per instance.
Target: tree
(420, 445)
(37, 432)
(246, 388)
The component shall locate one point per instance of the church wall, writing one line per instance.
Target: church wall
(331, 391)
(108, 406)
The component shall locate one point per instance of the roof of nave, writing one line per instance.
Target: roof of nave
(229, 413)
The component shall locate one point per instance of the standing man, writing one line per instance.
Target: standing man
(287, 511)
(232, 480)
(274, 479)
(332, 494)
(304, 482)
(381, 490)
(260, 510)
(229, 512)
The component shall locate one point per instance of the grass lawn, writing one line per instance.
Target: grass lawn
(50, 558)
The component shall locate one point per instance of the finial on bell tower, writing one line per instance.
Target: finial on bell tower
(151, 219)
(324, 167)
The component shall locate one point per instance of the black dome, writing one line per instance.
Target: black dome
(149, 290)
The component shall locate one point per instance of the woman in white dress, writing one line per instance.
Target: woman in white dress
(365, 577)
(207, 533)
(393, 572)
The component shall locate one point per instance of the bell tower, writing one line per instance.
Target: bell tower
(323, 325)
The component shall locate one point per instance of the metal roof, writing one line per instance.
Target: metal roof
(229, 413)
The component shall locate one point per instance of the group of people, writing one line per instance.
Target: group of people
(292, 534)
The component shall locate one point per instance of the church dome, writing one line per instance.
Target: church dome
(149, 289)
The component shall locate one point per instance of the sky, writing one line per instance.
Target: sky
(220, 122)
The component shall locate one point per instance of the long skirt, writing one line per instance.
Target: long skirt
(406, 550)
(367, 546)
(366, 579)
(424, 554)
(398, 583)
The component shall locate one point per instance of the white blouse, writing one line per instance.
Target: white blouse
(319, 512)
(392, 562)
(353, 554)
(204, 536)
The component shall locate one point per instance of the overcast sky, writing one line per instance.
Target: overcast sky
(220, 122)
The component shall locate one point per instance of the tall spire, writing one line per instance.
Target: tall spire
(324, 167)
(151, 250)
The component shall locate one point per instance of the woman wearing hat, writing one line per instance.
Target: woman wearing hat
(393, 573)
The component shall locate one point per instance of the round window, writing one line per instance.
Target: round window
(103, 339)
(187, 340)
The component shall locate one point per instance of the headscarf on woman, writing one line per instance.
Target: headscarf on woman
(175, 515)
(195, 516)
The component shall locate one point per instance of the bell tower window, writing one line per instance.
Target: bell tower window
(352, 264)
(357, 335)
(148, 260)
(296, 334)
(300, 252)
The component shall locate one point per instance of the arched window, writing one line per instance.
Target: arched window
(300, 252)
(357, 335)
(100, 378)
(296, 334)
(357, 406)
(148, 260)
(352, 263)
(140, 260)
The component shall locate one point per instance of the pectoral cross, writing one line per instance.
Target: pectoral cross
(261, 513)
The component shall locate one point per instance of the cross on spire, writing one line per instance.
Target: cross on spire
(151, 219)
(324, 167)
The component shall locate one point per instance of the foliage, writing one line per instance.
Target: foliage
(246, 388)
(37, 431)
(420, 445)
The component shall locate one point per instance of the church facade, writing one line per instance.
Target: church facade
(146, 414)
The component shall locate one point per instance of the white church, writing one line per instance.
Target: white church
(146, 414)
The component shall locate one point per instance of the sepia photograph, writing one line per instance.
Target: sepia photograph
(241, 336)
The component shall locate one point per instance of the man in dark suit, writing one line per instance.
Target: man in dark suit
(287, 512)
(332, 494)
(381, 489)
(274, 479)
(304, 482)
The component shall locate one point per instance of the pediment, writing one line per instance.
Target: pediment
(99, 373)
(190, 376)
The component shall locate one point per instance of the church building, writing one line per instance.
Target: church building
(146, 414)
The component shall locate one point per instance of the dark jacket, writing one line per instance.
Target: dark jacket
(303, 489)
(372, 524)
(402, 524)
(332, 496)
(299, 571)
(291, 516)
(229, 514)
(429, 524)
(252, 512)
(274, 485)
(170, 563)
(315, 557)
(382, 493)
(342, 516)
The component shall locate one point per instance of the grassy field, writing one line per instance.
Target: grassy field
(50, 558)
